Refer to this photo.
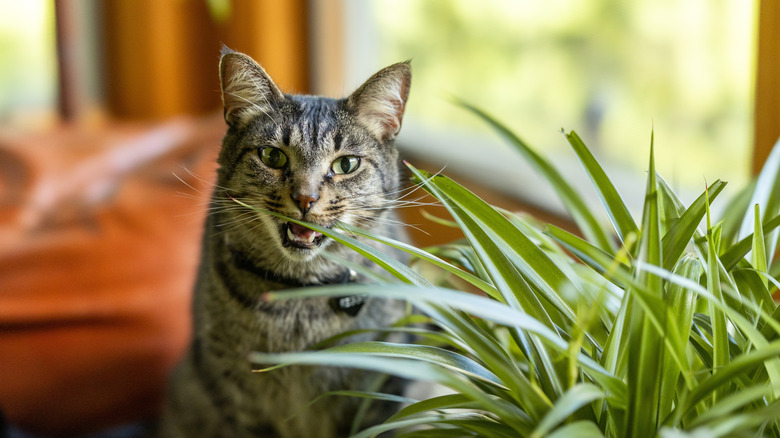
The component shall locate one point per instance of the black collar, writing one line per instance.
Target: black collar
(349, 304)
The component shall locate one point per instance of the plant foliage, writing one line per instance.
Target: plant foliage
(654, 326)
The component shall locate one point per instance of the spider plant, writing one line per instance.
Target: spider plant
(662, 325)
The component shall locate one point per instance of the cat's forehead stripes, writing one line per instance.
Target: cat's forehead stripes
(286, 133)
(313, 124)
(338, 139)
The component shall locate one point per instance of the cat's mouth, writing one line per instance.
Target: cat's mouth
(298, 236)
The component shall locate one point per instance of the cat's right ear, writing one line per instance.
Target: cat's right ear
(380, 102)
(247, 90)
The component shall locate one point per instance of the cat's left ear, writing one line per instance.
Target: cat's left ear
(247, 90)
(380, 102)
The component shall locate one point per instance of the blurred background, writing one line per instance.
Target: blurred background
(110, 121)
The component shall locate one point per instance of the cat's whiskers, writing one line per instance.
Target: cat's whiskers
(223, 200)
(209, 183)
(238, 219)
(215, 205)
(193, 197)
(234, 227)
(225, 207)
(397, 224)
(394, 194)
(185, 182)
(198, 209)
(412, 188)
(368, 221)
(239, 215)
(381, 204)
(247, 233)
(393, 203)
(408, 189)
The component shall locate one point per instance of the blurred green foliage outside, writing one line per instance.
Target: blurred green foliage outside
(611, 70)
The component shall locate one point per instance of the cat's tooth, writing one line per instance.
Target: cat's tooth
(290, 234)
(310, 239)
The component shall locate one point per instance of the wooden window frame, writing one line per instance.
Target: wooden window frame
(767, 92)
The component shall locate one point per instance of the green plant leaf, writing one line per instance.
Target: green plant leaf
(428, 257)
(736, 252)
(616, 209)
(682, 231)
(433, 433)
(614, 357)
(682, 304)
(571, 199)
(515, 288)
(731, 404)
(752, 284)
(576, 397)
(439, 356)
(747, 423)
(720, 340)
(767, 194)
(439, 220)
(644, 350)
(482, 307)
(501, 237)
(701, 247)
(483, 345)
(598, 259)
(741, 365)
(504, 251)
(738, 319)
(459, 401)
(759, 251)
(408, 368)
(577, 429)
(734, 212)
(447, 401)
(422, 420)
(355, 394)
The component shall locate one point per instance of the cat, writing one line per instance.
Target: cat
(311, 158)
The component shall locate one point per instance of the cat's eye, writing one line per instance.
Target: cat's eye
(346, 164)
(273, 157)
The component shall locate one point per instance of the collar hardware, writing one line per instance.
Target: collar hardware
(349, 304)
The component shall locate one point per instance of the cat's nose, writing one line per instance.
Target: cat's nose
(305, 201)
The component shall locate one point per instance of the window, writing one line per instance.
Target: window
(611, 70)
(28, 70)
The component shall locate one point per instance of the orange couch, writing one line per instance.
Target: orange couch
(99, 242)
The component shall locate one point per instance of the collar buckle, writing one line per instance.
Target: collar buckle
(349, 304)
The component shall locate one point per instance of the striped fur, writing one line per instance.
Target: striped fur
(213, 392)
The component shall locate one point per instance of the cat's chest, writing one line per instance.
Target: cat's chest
(292, 325)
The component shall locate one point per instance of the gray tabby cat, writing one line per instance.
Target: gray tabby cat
(311, 158)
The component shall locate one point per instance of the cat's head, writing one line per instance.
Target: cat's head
(317, 159)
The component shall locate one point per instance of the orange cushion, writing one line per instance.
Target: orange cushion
(95, 292)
